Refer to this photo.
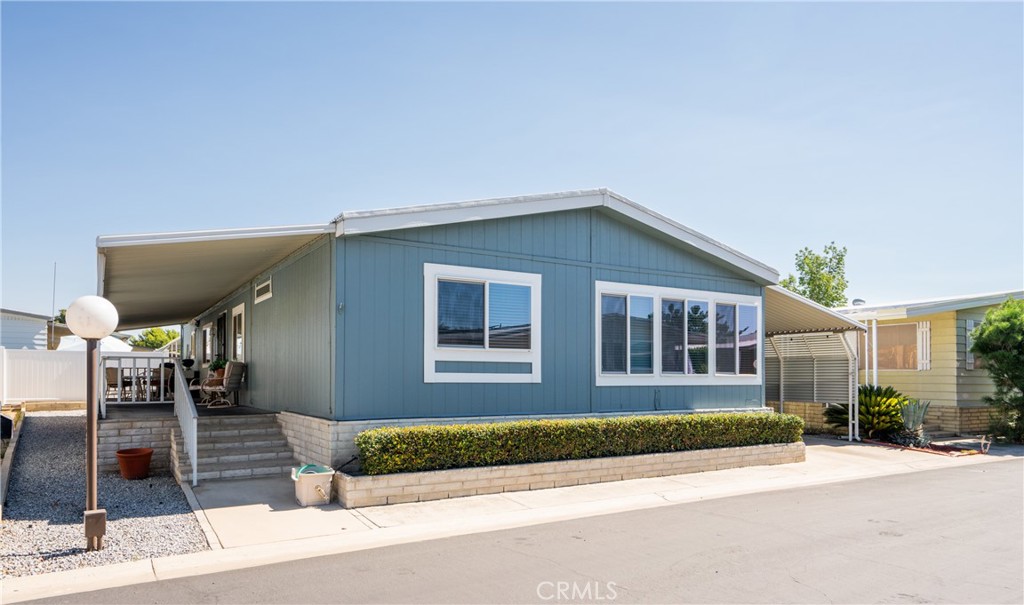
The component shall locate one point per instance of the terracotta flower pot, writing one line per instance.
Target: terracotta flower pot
(219, 372)
(134, 462)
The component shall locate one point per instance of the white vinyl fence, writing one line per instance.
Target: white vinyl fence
(30, 375)
(34, 374)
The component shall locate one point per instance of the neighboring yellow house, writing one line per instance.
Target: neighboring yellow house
(923, 351)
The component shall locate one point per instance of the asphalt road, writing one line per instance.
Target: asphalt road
(953, 535)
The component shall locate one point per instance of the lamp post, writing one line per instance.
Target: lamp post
(92, 318)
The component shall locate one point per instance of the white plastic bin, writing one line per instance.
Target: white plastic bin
(312, 484)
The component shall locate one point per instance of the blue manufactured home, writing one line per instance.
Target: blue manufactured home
(576, 303)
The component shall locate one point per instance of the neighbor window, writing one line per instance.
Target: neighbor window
(900, 347)
(658, 335)
(481, 316)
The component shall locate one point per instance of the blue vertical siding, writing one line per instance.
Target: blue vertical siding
(379, 334)
(290, 339)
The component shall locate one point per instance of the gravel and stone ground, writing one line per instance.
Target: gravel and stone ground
(42, 529)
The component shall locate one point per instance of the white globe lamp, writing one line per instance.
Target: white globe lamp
(92, 318)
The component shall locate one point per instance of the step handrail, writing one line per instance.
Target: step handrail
(188, 418)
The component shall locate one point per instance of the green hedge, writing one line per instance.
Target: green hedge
(434, 447)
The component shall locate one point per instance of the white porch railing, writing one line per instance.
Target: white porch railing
(135, 378)
(188, 419)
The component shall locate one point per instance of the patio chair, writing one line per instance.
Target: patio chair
(215, 390)
(117, 381)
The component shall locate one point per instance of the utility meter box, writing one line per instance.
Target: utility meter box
(312, 484)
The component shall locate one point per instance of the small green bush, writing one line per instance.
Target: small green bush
(435, 447)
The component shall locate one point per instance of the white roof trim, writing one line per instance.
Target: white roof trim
(25, 314)
(409, 217)
(903, 310)
(180, 237)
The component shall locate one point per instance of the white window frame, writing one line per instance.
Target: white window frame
(659, 377)
(206, 340)
(258, 298)
(969, 360)
(432, 353)
(236, 312)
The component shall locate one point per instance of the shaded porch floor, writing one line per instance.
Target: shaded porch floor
(137, 411)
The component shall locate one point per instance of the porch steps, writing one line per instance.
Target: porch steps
(235, 447)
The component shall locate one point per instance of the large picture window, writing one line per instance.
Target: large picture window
(476, 316)
(651, 335)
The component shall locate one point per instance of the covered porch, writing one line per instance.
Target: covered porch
(173, 279)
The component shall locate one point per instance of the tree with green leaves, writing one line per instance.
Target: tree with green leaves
(999, 341)
(61, 317)
(821, 277)
(153, 338)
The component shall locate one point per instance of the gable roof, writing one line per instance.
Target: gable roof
(163, 278)
(916, 308)
(429, 215)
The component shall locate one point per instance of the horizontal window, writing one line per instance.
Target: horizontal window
(652, 335)
(480, 315)
(900, 347)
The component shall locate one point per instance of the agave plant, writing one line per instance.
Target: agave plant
(880, 411)
(913, 413)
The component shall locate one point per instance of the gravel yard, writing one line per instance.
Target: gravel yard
(42, 523)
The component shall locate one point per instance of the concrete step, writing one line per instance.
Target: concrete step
(230, 442)
(237, 454)
(234, 447)
(240, 469)
(240, 431)
(233, 421)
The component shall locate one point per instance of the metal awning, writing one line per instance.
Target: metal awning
(169, 278)
(788, 313)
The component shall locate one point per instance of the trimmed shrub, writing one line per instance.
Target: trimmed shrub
(435, 447)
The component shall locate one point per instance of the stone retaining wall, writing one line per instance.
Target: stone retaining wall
(123, 434)
(373, 490)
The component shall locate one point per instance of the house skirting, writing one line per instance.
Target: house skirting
(813, 414)
(121, 434)
(961, 420)
(373, 490)
(964, 420)
(332, 442)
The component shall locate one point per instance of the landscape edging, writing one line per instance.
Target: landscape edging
(356, 491)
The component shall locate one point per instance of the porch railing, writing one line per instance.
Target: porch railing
(134, 378)
(188, 419)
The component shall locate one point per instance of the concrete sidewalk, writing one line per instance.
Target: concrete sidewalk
(257, 522)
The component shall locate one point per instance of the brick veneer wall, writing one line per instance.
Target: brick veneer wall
(961, 420)
(965, 420)
(813, 415)
(121, 434)
(367, 490)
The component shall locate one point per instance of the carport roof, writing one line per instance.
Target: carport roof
(786, 312)
(169, 278)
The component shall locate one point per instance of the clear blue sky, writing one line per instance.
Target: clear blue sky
(893, 129)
